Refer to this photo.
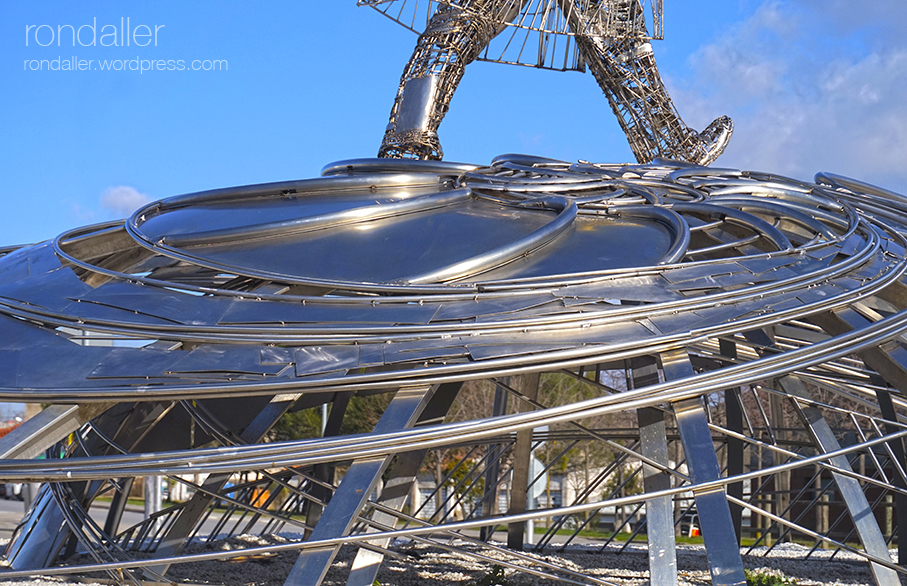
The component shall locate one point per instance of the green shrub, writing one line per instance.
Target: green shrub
(763, 578)
(495, 577)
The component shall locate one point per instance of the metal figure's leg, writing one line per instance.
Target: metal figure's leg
(452, 40)
(625, 69)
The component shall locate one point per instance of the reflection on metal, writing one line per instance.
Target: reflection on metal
(610, 37)
(741, 332)
(714, 512)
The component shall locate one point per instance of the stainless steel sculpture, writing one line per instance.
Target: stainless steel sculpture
(748, 326)
(609, 37)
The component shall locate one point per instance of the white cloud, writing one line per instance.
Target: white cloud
(807, 101)
(744, 75)
(122, 200)
(81, 214)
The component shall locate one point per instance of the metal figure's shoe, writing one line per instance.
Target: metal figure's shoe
(714, 139)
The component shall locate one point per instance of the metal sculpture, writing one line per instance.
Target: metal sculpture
(609, 37)
(748, 326)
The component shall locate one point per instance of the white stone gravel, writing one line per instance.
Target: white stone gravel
(432, 566)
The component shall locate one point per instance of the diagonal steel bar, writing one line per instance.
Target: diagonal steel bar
(714, 513)
(196, 506)
(849, 488)
(367, 561)
(51, 425)
(355, 488)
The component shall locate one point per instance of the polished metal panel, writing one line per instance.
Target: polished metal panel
(415, 105)
(170, 344)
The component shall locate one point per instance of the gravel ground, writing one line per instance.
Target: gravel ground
(422, 565)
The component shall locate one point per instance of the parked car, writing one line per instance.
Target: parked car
(689, 524)
(13, 490)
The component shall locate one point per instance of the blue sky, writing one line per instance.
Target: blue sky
(813, 85)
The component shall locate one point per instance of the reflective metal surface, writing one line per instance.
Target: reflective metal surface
(727, 344)
(610, 37)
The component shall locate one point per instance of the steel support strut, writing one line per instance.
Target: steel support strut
(355, 488)
(714, 513)
(848, 487)
(653, 444)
